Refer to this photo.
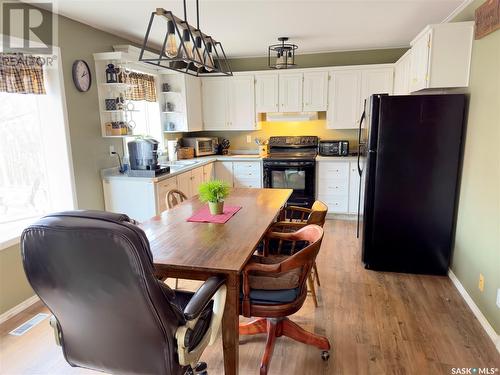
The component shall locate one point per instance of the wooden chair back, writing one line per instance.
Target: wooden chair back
(174, 197)
(302, 260)
(298, 217)
(318, 214)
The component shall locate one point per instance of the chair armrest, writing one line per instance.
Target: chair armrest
(202, 297)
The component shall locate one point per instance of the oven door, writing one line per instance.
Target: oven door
(296, 175)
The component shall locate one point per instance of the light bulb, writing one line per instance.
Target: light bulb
(197, 53)
(280, 60)
(208, 57)
(188, 46)
(171, 44)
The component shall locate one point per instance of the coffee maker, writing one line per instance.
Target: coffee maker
(143, 156)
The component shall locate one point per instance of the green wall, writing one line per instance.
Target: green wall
(315, 60)
(89, 149)
(14, 287)
(477, 242)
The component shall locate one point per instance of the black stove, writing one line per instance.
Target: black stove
(291, 164)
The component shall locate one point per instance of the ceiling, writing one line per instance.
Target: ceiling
(246, 28)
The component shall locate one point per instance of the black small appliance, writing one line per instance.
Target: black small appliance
(333, 148)
(291, 164)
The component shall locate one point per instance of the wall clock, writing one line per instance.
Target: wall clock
(82, 77)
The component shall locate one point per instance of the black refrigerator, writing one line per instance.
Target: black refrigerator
(410, 153)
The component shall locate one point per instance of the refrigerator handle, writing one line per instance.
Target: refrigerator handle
(360, 171)
(359, 206)
(363, 115)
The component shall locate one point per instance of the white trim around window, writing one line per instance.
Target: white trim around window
(57, 151)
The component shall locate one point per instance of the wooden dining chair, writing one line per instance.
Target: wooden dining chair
(274, 287)
(293, 218)
(174, 197)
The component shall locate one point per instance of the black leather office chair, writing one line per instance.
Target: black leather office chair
(94, 271)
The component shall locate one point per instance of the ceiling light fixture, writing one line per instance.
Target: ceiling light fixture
(185, 49)
(281, 56)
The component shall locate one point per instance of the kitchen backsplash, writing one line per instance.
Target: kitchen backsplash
(238, 139)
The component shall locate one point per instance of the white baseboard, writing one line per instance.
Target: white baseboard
(475, 310)
(19, 308)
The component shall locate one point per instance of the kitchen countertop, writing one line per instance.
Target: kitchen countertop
(178, 167)
(186, 165)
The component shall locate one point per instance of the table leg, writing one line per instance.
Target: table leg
(230, 323)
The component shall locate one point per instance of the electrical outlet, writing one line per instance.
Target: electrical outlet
(498, 298)
(481, 283)
(249, 139)
(111, 150)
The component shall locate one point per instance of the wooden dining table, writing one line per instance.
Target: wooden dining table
(193, 250)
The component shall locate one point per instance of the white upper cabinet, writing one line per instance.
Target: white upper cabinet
(290, 92)
(402, 74)
(229, 103)
(344, 99)
(266, 93)
(241, 102)
(315, 91)
(193, 104)
(441, 56)
(348, 90)
(376, 81)
(420, 62)
(215, 103)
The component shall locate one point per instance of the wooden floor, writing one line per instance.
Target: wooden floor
(378, 323)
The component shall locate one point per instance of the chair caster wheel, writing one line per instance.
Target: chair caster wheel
(325, 355)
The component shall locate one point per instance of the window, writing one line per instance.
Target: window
(35, 164)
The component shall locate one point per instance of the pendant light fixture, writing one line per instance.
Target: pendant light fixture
(282, 55)
(185, 49)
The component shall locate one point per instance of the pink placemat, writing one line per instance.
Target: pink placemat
(204, 216)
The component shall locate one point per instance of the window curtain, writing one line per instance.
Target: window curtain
(21, 74)
(144, 87)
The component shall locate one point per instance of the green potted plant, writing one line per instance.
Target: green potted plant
(214, 193)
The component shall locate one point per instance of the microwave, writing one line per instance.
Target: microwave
(334, 148)
(203, 146)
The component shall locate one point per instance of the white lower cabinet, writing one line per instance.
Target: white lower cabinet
(142, 199)
(224, 171)
(239, 174)
(189, 182)
(353, 187)
(208, 172)
(338, 185)
(137, 199)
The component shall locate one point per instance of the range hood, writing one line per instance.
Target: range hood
(291, 116)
